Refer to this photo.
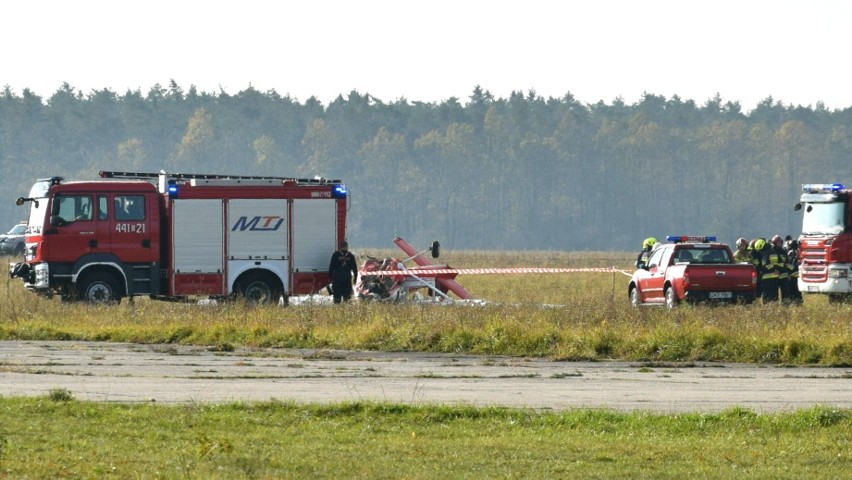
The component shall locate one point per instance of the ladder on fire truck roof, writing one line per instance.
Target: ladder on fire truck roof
(206, 176)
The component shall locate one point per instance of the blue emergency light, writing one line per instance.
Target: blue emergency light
(339, 190)
(172, 188)
(821, 187)
(691, 239)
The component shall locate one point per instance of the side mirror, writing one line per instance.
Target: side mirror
(797, 206)
(20, 201)
(436, 249)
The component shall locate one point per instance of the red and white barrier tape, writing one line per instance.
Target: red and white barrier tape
(489, 271)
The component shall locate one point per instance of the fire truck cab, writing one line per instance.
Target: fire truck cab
(825, 245)
(174, 236)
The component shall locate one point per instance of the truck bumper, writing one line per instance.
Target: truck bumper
(837, 281)
(825, 278)
(832, 285)
(36, 277)
(708, 297)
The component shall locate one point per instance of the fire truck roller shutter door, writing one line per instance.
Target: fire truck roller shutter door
(198, 236)
(257, 246)
(198, 260)
(314, 234)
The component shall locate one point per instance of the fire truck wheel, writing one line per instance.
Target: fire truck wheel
(260, 289)
(839, 298)
(671, 298)
(99, 287)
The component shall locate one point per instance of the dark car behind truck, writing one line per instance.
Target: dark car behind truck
(12, 242)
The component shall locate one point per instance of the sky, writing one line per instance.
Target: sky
(745, 51)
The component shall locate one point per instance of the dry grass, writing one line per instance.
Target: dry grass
(563, 316)
(572, 316)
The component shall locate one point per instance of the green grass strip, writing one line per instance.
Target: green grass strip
(59, 437)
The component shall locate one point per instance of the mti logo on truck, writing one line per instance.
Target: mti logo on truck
(256, 225)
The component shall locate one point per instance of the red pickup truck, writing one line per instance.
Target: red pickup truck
(692, 269)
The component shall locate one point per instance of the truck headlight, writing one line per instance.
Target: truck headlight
(838, 273)
(42, 275)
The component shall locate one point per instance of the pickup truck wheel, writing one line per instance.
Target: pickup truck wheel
(635, 298)
(671, 298)
(99, 288)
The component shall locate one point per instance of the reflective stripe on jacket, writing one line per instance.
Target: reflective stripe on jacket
(774, 265)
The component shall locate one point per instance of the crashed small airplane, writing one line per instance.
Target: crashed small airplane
(390, 279)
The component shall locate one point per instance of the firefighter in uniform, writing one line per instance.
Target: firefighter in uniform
(793, 261)
(743, 254)
(774, 263)
(784, 274)
(645, 254)
(756, 247)
(343, 273)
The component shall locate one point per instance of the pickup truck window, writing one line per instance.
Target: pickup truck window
(702, 255)
(684, 256)
(655, 258)
(715, 255)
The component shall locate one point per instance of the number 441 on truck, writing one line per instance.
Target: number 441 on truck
(170, 236)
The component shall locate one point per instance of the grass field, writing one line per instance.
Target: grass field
(561, 316)
(579, 316)
(54, 437)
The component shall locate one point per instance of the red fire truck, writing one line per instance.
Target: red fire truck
(825, 246)
(174, 236)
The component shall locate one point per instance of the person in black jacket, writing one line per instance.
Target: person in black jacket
(793, 262)
(343, 273)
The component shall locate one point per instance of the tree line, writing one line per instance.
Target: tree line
(523, 172)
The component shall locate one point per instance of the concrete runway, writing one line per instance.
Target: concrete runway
(118, 372)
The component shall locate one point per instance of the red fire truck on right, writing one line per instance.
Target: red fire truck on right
(825, 246)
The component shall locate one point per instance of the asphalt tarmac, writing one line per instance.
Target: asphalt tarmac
(173, 374)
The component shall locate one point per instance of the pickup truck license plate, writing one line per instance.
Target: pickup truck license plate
(720, 295)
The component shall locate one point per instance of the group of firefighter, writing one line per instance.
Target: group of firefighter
(777, 263)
